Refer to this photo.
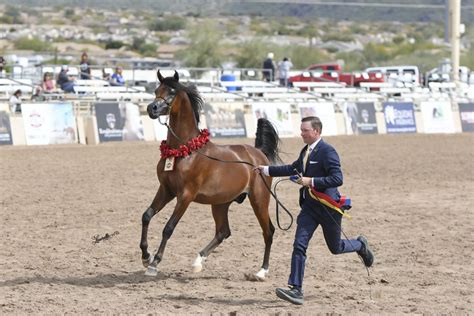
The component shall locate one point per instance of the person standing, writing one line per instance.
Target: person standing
(320, 175)
(84, 66)
(284, 70)
(15, 102)
(269, 68)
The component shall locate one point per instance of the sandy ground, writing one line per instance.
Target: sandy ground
(412, 198)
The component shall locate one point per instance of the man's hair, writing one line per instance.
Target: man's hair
(315, 122)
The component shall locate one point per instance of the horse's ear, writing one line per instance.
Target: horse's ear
(176, 76)
(160, 77)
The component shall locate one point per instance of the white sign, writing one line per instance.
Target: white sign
(325, 112)
(437, 117)
(49, 123)
(277, 113)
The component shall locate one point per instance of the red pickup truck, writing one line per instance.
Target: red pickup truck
(333, 72)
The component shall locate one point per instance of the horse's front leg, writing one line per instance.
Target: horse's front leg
(162, 198)
(181, 206)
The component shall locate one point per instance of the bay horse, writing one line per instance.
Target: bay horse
(194, 169)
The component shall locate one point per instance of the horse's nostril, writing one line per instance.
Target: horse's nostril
(155, 107)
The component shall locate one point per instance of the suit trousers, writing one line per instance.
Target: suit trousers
(311, 216)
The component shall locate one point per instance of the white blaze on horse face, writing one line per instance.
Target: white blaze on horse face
(197, 264)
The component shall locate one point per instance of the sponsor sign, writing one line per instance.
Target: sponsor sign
(360, 118)
(437, 117)
(325, 112)
(399, 117)
(466, 112)
(276, 112)
(49, 123)
(225, 119)
(5, 129)
(118, 121)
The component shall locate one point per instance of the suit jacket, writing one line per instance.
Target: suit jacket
(323, 166)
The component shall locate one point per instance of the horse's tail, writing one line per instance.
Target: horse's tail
(267, 140)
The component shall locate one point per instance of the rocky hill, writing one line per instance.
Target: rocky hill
(306, 10)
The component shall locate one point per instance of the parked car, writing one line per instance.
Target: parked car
(333, 72)
(399, 75)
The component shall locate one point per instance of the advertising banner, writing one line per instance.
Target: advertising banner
(360, 118)
(437, 117)
(49, 123)
(466, 112)
(276, 112)
(325, 112)
(399, 117)
(5, 129)
(118, 121)
(225, 119)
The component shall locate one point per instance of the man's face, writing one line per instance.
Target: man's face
(308, 133)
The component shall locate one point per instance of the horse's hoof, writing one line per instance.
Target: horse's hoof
(147, 262)
(197, 264)
(261, 275)
(151, 271)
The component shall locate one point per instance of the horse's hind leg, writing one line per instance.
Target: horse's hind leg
(219, 212)
(260, 199)
(162, 198)
(181, 206)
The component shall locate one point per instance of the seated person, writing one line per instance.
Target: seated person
(117, 78)
(48, 83)
(64, 81)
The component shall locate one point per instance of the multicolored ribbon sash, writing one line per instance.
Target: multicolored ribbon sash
(343, 203)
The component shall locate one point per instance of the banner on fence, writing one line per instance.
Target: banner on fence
(360, 118)
(399, 117)
(49, 123)
(437, 117)
(5, 129)
(225, 119)
(278, 113)
(466, 112)
(323, 110)
(118, 121)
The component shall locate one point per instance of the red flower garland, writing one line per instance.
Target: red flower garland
(185, 150)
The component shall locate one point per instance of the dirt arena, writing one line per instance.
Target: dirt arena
(412, 197)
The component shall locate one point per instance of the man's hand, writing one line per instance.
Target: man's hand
(258, 169)
(304, 181)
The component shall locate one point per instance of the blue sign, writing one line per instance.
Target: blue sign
(399, 117)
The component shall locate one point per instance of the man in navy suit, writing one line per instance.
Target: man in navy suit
(319, 167)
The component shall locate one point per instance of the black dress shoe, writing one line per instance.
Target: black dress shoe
(292, 295)
(365, 252)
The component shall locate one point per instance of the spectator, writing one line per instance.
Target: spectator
(284, 69)
(85, 67)
(2, 66)
(105, 75)
(117, 78)
(269, 68)
(64, 81)
(15, 102)
(38, 95)
(48, 83)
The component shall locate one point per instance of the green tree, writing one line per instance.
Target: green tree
(204, 48)
(32, 44)
(168, 23)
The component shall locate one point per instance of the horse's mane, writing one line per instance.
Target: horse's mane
(191, 91)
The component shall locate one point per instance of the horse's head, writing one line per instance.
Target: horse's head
(164, 97)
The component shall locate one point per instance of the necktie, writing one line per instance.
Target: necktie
(305, 159)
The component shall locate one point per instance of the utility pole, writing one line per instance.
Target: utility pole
(455, 35)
